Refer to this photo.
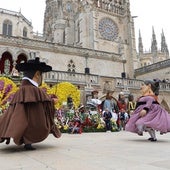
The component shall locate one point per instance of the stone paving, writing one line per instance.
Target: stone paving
(90, 151)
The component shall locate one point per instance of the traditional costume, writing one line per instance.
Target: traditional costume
(156, 118)
(30, 116)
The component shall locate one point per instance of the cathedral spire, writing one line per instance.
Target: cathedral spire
(164, 47)
(154, 42)
(140, 45)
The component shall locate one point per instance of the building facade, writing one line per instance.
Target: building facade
(90, 43)
(104, 28)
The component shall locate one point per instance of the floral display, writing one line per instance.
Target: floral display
(87, 122)
(63, 90)
(74, 120)
(7, 90)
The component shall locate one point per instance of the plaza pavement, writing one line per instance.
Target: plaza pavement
(90, 151)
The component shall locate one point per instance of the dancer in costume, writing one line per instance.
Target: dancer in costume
(30, 116)
(149, 115)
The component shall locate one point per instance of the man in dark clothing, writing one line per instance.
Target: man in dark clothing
(30, 116)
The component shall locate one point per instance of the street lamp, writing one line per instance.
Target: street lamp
(124, 72)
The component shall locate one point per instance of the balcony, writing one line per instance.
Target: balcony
(95, 80)
(75, 78)
(90, 80)
(153, 67)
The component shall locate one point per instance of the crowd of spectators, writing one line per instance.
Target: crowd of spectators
(107, 115)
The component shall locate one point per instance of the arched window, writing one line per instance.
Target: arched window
(7, 28)
(25, 32)
(22, 58)
(6, 63)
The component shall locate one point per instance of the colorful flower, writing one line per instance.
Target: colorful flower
(7, 91)
(63, 90)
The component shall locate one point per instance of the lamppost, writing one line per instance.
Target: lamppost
(124, 71)
(122, 56)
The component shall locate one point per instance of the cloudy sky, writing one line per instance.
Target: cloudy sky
(151, 13)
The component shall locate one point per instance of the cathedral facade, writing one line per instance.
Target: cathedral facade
(90, 41)
(94, 36)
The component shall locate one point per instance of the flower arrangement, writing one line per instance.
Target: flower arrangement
(90, 122)
(114, 125)
(63, 90)
(7, 91)
(101, 124)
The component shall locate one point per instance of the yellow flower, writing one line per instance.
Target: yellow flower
(63, 90)
(65, 127)
(7, 90)
(59, 126)
(100, 126)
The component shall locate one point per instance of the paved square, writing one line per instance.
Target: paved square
(90, 151)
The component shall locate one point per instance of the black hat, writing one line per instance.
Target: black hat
(33, 64)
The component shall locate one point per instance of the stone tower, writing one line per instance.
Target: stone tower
(140, 45)
(104, 25)
(164, 47)
(155, 54)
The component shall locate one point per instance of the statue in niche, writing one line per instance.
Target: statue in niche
(14, 71)
(7, 66)
(107, 87)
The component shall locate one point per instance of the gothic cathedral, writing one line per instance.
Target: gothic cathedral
(99, 25)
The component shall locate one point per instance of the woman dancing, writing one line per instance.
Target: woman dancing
(149, 115)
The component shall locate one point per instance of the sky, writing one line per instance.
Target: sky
(150, 14)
